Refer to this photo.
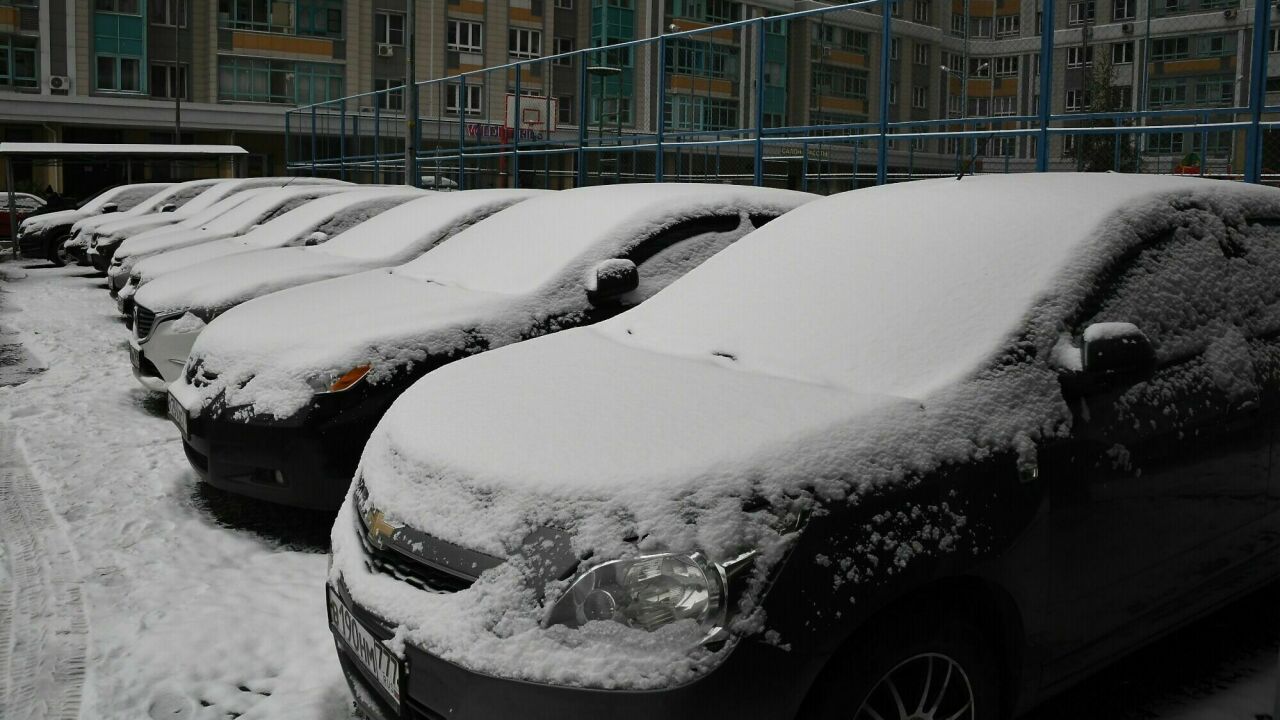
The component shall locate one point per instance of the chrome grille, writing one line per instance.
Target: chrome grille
(406, 569)
(143, 321)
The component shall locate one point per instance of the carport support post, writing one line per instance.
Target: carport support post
(13, 200)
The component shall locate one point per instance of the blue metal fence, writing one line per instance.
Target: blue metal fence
(829, 98)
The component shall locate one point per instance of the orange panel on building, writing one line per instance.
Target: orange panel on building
(266, 42)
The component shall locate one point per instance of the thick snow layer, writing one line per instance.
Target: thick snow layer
(178, 194)
(534, 239)
(764, 373)
(335, 212)
(394, 237)
(398, 318)
(126, 197)
(155, 150)
(182, 610)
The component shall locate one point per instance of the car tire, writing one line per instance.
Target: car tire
(918, 666)
(56, 252)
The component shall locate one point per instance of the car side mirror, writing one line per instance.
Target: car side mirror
(1116, 348)
(612, 278)
(168, 207)
(110, 208)
(315, 238)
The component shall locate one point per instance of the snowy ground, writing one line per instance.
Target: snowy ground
(127, 591)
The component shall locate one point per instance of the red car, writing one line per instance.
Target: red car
(26, 203)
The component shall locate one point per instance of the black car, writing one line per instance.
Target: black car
(903, 453)
(280, 393)
(42, 235)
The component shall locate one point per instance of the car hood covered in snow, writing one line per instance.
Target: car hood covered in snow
(37, 223)
(263, 351)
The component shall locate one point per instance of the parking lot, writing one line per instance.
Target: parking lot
(164, 598)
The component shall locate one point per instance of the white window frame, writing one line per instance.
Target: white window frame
(920, 53)
(382, 28)
(475, 36)
(1008, 25)
(1074, 101)
(1078, 13)
(557, 49)
(921, 11)
(475, 98)
(1005, 66)
(919, 97)
(1125, 52)
(564, 4)
(524, 43)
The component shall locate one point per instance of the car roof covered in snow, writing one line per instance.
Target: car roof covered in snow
(316, 212)
(403, 228)
(240, 216)
(535, 239)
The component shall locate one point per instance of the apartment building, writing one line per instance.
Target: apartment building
(117, 71)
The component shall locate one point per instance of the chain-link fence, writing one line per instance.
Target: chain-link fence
(827, 99)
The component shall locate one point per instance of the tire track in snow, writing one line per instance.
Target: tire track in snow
(43, 627)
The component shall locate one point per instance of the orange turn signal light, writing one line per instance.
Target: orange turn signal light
(349, 378)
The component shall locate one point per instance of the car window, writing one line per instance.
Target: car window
(130, 197)
(351, 216)
(1194, 284)
(291, 204)
(668, 254)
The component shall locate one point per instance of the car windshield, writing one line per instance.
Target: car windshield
(331, 216)
(862, 290)
(178, 195)
(130, 195)
(245, 209)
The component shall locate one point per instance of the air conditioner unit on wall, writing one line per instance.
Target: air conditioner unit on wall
(59, 82)
(1229, 13)
(386, 50)
(1127, 28)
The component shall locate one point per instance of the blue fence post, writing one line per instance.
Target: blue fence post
(515, 132)
(759, 120)
(886, 38)
(583, 117)
(342, 141)
(313, 141)
(1257, 92)
(659, 161)
(1046, 85)
(462, 131)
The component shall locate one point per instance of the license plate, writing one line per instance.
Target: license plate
(135, 358)
(378, 662)
(178, 414)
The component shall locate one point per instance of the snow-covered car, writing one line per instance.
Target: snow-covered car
(106, 237)
(24, 204)
(310, 224)
(43, 235)
(169, 200)
(183, 301)
(903, 453)
(280, 393)
(230, 217)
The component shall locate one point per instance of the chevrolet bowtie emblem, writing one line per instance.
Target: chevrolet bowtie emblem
(379, 529)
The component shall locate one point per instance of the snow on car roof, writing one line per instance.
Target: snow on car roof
(242, 215)
(901, 288)
(137, 191)
(228, 187)
(418, 222)
(535, 239)
(180, 193)
(315, 213)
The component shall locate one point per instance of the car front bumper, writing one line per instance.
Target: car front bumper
(158, 359)
(755, 680)
(306, 464)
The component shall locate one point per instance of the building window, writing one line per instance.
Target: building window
(169, 12)
(1005, 66)
(980, 27)
(844, 39)
(1008, 25)
(691, 57)
(1075, 100)
(895, 46)
(1170, 49)
(18, 62)
(524, 43)
(839, 81)
(465, 36)
(474, 98)
(957, 24)
(388, 28)
(560, 46)
(564, 4)
(919, 97)
(698, 112)
(246, 79)
(118, 74)
(1079, 56)
(920, 11)
(123, 7)
(169, 81)
(1216, 46)
(893, 93)
(979, 67)
(1122, 53)
(1124, 9)
(320, 18)
(565, 111)
(955, 105)
(1165, 143)
(1275, 40)
(1079, 13)
(979, 107)
(390, 93)
(1004, 105)
(920, 54)
(260, 15)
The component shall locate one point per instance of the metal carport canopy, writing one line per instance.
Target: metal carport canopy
(46, 150)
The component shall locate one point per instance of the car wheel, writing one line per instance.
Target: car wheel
(913, 670)
(57, 253)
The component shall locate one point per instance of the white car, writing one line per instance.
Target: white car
(284, 389)
(107, 237)
(183, 301)
(235, 215)
(44, 235)
(170, 200)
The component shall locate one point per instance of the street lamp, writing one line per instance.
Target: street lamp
(602, 72)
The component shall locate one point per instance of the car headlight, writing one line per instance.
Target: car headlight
(646, 592)
(326, 383)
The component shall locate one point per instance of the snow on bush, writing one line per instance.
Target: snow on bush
(866, 338)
